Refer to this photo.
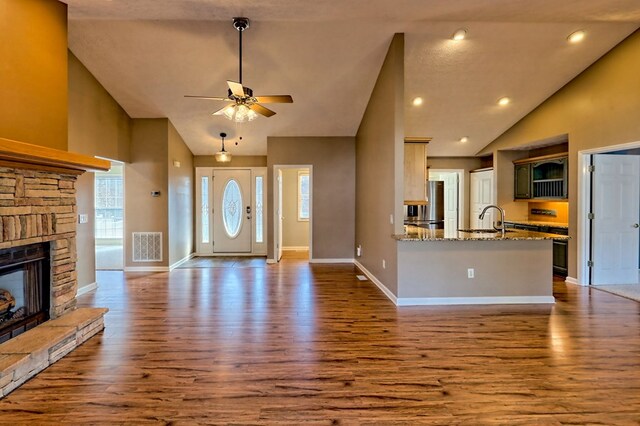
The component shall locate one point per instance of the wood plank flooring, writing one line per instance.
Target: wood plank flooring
(295, 343)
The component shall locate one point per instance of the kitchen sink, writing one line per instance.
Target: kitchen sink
(483, 231)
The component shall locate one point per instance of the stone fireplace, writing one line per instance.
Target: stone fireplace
(39, 322)
(40, 207)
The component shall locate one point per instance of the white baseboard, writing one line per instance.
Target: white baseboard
(229, 254)
(377, 282)
(86, 289)
(271, 261)
(181, 261)
(295, 248)
(571, 280)
(331, 260)
(497, 300)
(146, 269)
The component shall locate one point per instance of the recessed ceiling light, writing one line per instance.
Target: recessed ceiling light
(417, 101)
(460, 34)
(504, 101)
(464, 139)
(577, 36)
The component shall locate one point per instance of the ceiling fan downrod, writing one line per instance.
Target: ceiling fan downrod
(240, 24)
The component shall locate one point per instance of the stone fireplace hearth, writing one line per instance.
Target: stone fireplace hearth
(38, 212)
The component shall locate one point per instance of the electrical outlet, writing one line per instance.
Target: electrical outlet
(359, 251)
(471, 273)
(384, 264)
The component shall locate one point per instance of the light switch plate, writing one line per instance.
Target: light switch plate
(83, 218)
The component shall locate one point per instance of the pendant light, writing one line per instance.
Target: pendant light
(223, 156)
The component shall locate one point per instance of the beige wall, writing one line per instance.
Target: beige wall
(461, 163)
(85, 232)
(33, 72)
(504, 187)
(380, 169)
(97, 123)
(598, 108)
(295, 233)
(333, 199)
(236, 161)
(181, 195)
(97, 126)
(147, 172)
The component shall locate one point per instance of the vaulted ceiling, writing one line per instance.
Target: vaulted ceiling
(327, 55)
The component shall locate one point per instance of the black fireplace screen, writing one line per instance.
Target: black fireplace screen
(24, 288)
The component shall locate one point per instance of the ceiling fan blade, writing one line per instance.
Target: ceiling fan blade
(219, 112)
(275, 99)
(262, 110)
(236, 88)
(213, 98)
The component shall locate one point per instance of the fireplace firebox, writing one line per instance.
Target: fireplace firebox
(24, 288)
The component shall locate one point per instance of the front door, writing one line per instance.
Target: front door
(615, 233)
(232, 211)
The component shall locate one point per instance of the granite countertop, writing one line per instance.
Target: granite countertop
(414, 233)
(539, 223)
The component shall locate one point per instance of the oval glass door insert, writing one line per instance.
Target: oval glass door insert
(232, 208)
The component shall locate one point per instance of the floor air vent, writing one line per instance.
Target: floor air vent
(147, 246)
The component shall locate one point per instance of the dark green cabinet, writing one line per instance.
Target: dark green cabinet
(541, 178)
(522, 187)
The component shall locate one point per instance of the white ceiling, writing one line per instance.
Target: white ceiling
(327, 55)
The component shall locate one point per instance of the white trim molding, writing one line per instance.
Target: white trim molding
(295, 248)
(271, 261)
(181, 261)
(377, 282)
(496, 300)
(146, 269)
(571, 280)
(86, 289)
(331, 261)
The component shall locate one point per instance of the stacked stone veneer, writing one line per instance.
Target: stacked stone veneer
(40, 206)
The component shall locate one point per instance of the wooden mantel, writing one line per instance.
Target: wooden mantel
(26, 155)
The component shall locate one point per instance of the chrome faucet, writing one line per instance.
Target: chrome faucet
(501, 210)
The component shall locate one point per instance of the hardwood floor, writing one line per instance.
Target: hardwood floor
(296, 343)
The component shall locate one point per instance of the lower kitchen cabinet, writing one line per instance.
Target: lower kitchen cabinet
(560, 247)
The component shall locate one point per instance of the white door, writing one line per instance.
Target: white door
(280, 216)
(616, 206)
(481, 196)
(450, 180)
(232, 211)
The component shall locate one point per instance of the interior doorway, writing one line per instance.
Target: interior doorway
(609, 216)
(293, 213)
(453, 195)
(109, 217)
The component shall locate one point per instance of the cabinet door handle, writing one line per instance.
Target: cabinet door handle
(635, 225)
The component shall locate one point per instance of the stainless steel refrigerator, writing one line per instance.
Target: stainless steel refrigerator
(434, 211)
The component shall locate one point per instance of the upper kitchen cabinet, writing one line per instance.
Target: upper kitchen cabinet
(542, 178)
(415, 171)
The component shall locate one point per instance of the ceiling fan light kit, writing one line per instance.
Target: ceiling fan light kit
(244, 106)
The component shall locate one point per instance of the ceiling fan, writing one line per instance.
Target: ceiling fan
(245, 106)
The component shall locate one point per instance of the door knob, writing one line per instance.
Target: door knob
(635, 225)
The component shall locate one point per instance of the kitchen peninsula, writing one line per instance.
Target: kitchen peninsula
(446, 267)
